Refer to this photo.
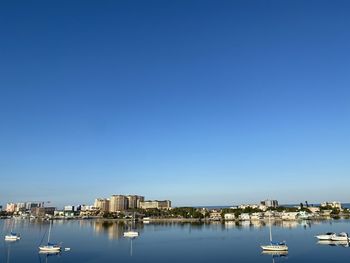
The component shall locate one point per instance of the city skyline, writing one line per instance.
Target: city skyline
(191, 101)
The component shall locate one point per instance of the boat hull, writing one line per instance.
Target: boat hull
(50, 249)
(324, 237)
(340, 239)
(12, 238)
(131, 234)
(274, 248)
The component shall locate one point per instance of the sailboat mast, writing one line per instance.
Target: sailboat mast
(270, 227)
(48, 236)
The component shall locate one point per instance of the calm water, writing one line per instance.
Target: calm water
(97, 241)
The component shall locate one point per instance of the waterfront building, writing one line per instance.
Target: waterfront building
(256, 216)
(87, 208)
(230, 216)
(11, 207)
(140, 199)
(118, 203)
(102, 204)
(30, 205)
(215, 215)
(43, 211)
(69, 208)
(244, 217)
(290, 215)
(155, 204)
(134, 201)
(244, 206)
(269, 203)
(20, 207)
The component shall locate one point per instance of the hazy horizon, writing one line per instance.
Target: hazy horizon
(198, 102)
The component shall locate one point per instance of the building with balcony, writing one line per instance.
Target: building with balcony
(155, 204)
(102, 204)
(134, 201)
(270, 203)
(118, 203)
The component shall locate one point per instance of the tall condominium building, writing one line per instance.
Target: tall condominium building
(30, 205)
(118, 203)
(11, 207)
(102, 204)
(270, 203)
(166, 204)
(134, 201)
(21, 207)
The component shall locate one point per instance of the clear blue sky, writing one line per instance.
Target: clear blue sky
(201, 102)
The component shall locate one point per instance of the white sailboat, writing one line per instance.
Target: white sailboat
(131, 233)
(12, 236)
(50, 247)
(274, 246)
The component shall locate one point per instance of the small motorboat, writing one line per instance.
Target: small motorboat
(326, 236)
(340, 237)
(12, 237)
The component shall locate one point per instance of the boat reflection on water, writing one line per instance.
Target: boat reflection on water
(276, 254)
(44, 255)
(333, 243)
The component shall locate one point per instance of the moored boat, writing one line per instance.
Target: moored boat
(131, 234)
(274, 246)
(340, 237)
(326, 236)
(50, 247)
(12, 237)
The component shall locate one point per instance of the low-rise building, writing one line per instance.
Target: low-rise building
(155, 204)
(69, 208)
(215, 215)
(244, 206)
(244, 217)
(256, 216)
(229, 216)
(289, 215)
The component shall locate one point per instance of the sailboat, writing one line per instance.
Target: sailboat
(274, 246)
(131, 233)
(12, 236)
(50, 247)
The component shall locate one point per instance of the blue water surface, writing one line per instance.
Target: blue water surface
(103, 241)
